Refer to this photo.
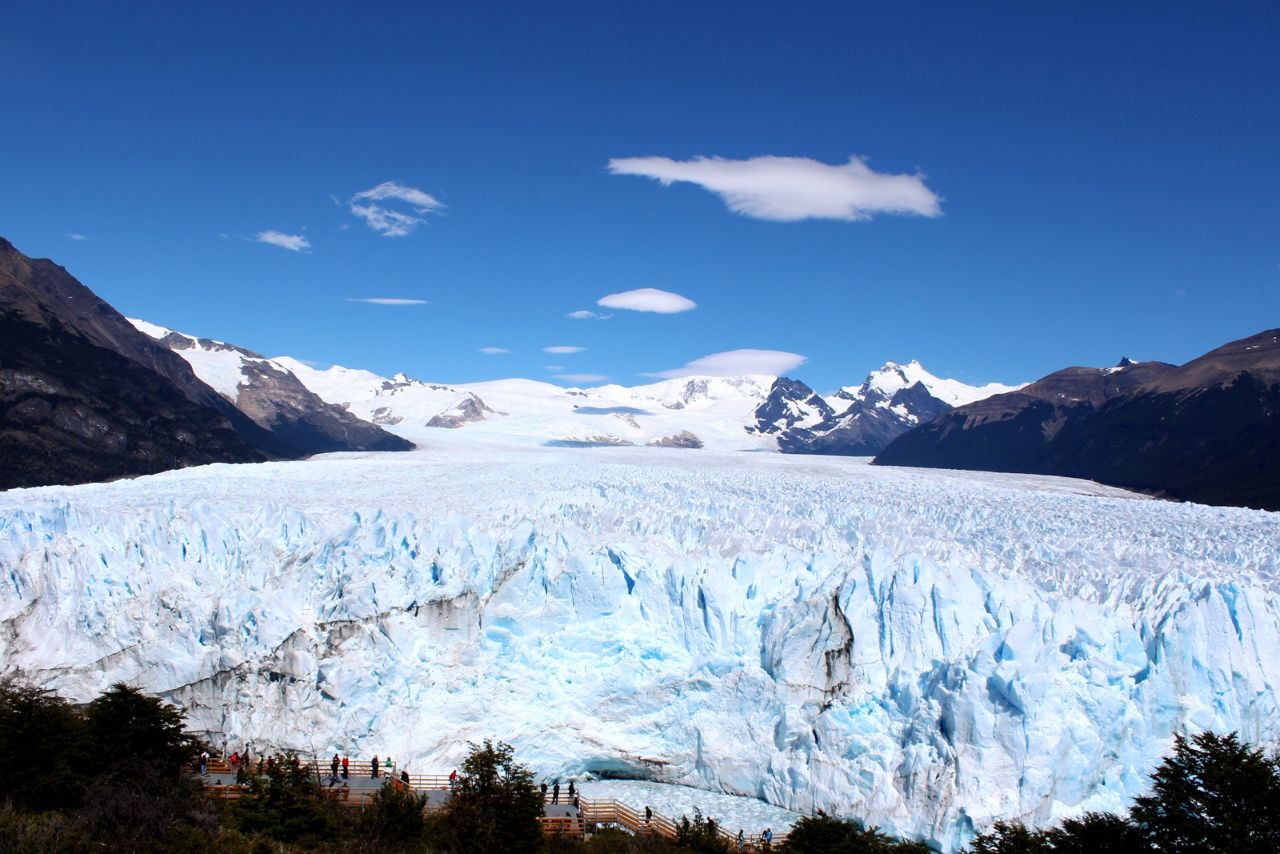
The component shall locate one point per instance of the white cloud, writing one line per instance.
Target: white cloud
(648, 299)
(792, 188)
(553, 368)
(563, 349)
(292, 242)
(583, 314)
(410, 211)
(582, 378)
(494, 351)
(387, 300)
(734, 363)
(75, 235)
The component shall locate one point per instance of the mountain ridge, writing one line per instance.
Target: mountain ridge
(1207, 431)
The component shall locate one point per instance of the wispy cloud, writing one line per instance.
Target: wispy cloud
(735, 363)
(563, 349)
(648, 299)
(292, 242)
(792, 188)
(75, 235)
(393, 209)
(494, 351)
(553, 368)
(581, 378)
(387, 300)
(583, 314)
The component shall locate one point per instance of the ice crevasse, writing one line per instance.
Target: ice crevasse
(924, 651)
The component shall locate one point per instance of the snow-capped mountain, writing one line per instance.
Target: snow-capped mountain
(745, 413)
(273, 397)
(924, 650)
(862, 420)
(688, 412)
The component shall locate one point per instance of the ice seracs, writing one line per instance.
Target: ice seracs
(924, 650)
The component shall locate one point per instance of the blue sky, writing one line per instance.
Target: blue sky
(1076, 182)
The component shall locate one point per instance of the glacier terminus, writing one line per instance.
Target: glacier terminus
(925, 650)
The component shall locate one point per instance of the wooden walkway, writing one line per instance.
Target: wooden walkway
(562, 817)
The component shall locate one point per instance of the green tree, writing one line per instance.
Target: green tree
(1097, 833)
(824, 834)
(393, 821)
(495, 806)
(699, 834)
(128, 729)
(284, 802)
(1011, 837)
(44, 745)
(1213, 794)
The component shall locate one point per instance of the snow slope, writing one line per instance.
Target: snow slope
(925, 650)
(715, 409)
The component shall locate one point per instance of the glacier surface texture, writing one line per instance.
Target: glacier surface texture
(924, 650)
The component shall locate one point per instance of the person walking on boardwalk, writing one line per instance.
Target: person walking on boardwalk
(453, 783)
(742, 840)
(544, 791)
(571, 791)
(346, 768)
(204, 763)
(389, 768)
(333, 767)
(555, 793)
(235, 761)
(648, 815)
(373, 767)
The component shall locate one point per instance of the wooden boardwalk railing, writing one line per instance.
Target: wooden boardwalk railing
(591, 813)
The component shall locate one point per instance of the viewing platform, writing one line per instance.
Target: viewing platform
(560, 816)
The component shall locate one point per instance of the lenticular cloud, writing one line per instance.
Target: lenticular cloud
(792, 188)
(647, 299)
(734, 363)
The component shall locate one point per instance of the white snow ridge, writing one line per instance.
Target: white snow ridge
(924, 650)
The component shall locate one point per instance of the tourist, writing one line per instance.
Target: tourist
(235, 760)
(767, 836)
(373, 767)
(453, 783)
(742, 840)
(544, 791)
(346, 769)
(571, 790)
(389, 767)
(204, 763)
(404, 777)
(333, 766)
(555, 793)
(648, 815)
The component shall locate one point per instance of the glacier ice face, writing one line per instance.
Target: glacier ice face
(925, 650)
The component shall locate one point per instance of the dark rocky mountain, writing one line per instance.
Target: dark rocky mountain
(85, 397)
(276, 400)
(1010, 432)
(790, 403)
(468, 410)
(1207, 431)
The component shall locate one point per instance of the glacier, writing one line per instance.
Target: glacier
(925, 650)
